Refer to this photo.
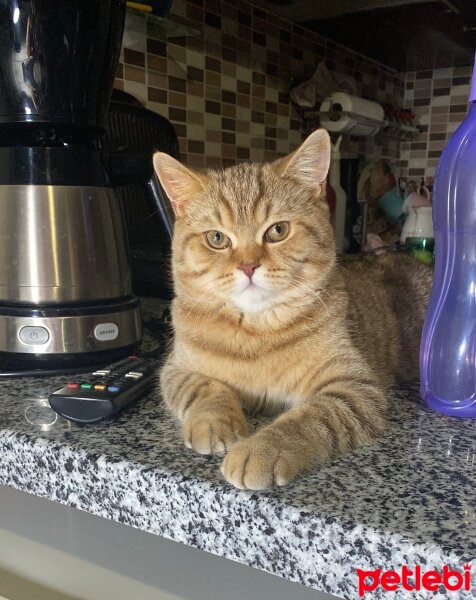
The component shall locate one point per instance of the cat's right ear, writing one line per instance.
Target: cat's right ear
(309, 164)
(179, 183)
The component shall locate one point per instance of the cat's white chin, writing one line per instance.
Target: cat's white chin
(254, 299)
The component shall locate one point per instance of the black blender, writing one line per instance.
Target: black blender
(65, 284)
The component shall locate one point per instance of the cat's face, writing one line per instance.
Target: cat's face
(253, 235)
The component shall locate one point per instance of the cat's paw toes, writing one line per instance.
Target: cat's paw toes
(214, 435)
(257, 464)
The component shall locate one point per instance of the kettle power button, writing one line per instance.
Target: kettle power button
(34, 336)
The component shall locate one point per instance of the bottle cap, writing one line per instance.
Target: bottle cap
(472, 93)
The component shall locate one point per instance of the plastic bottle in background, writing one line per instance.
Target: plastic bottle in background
(448, 347)
(341, 196)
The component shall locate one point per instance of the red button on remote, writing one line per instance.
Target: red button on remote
(73, 386)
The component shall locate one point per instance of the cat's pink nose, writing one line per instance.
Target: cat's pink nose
(249, 268)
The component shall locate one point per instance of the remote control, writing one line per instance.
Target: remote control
(96, 396)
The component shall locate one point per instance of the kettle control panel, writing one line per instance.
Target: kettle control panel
(34, 335)
(104, 332)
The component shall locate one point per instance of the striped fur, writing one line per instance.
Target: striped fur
(318, 338)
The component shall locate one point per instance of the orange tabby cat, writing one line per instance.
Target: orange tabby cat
(264, 317)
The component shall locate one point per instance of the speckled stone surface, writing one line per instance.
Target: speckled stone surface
(409, 499)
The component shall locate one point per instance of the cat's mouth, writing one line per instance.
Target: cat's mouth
(253, 297)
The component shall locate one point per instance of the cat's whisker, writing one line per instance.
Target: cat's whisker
(312, 284)
(317, 295)
(204, 313)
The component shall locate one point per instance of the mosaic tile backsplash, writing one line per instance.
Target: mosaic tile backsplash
(440, 99)
(227, 91)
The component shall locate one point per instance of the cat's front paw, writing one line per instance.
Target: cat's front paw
(260, 462)
(208, 434)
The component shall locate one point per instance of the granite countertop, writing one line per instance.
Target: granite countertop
(406, 500)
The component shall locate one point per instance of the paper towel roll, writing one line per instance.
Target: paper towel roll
(365, 118)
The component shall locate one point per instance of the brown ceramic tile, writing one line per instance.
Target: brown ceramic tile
(439, 83)
(213, 162)
(213, 136)
(134, 74)
(213, 93)
(439, 118)
(422, 102)
(195, 118)
(242, 126)
(257, 142)
(440, 110)
(196, 160)
(257, 117)
(157, 80)
(180, 128)
(461, 100)
(458, 108)
(270, 119)
(212, 107)
(196, 146)
(228, 138)
(258, 91)
(177, 85)
(437, 128)
(155, 95)
(243, 87)
(456, 117)
(194, 74)
(423, 93)
(460, 80)
(417, 154)
(212, 78)
(212, 64)
(228, 151)
(156, 63)
(462, 72)
(178, 100)
(242, 153)
(195, 89)
(228, 124)
(155, 47)
(437, 145)
(227, 96)
(196, 43)
(243, 100)
(258, 104)
(177, 114)
(445, 91)
(132, 57)
(228, 110)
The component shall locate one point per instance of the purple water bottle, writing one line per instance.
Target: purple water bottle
(448, 347)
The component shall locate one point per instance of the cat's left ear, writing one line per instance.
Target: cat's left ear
(180, 183)
(309, 164)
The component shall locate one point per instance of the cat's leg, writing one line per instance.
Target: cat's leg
(210, 411)
(343, 412)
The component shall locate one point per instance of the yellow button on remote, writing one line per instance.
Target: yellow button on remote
(100, 388)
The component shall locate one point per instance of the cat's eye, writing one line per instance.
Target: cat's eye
(277, 232)
(217, 240)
